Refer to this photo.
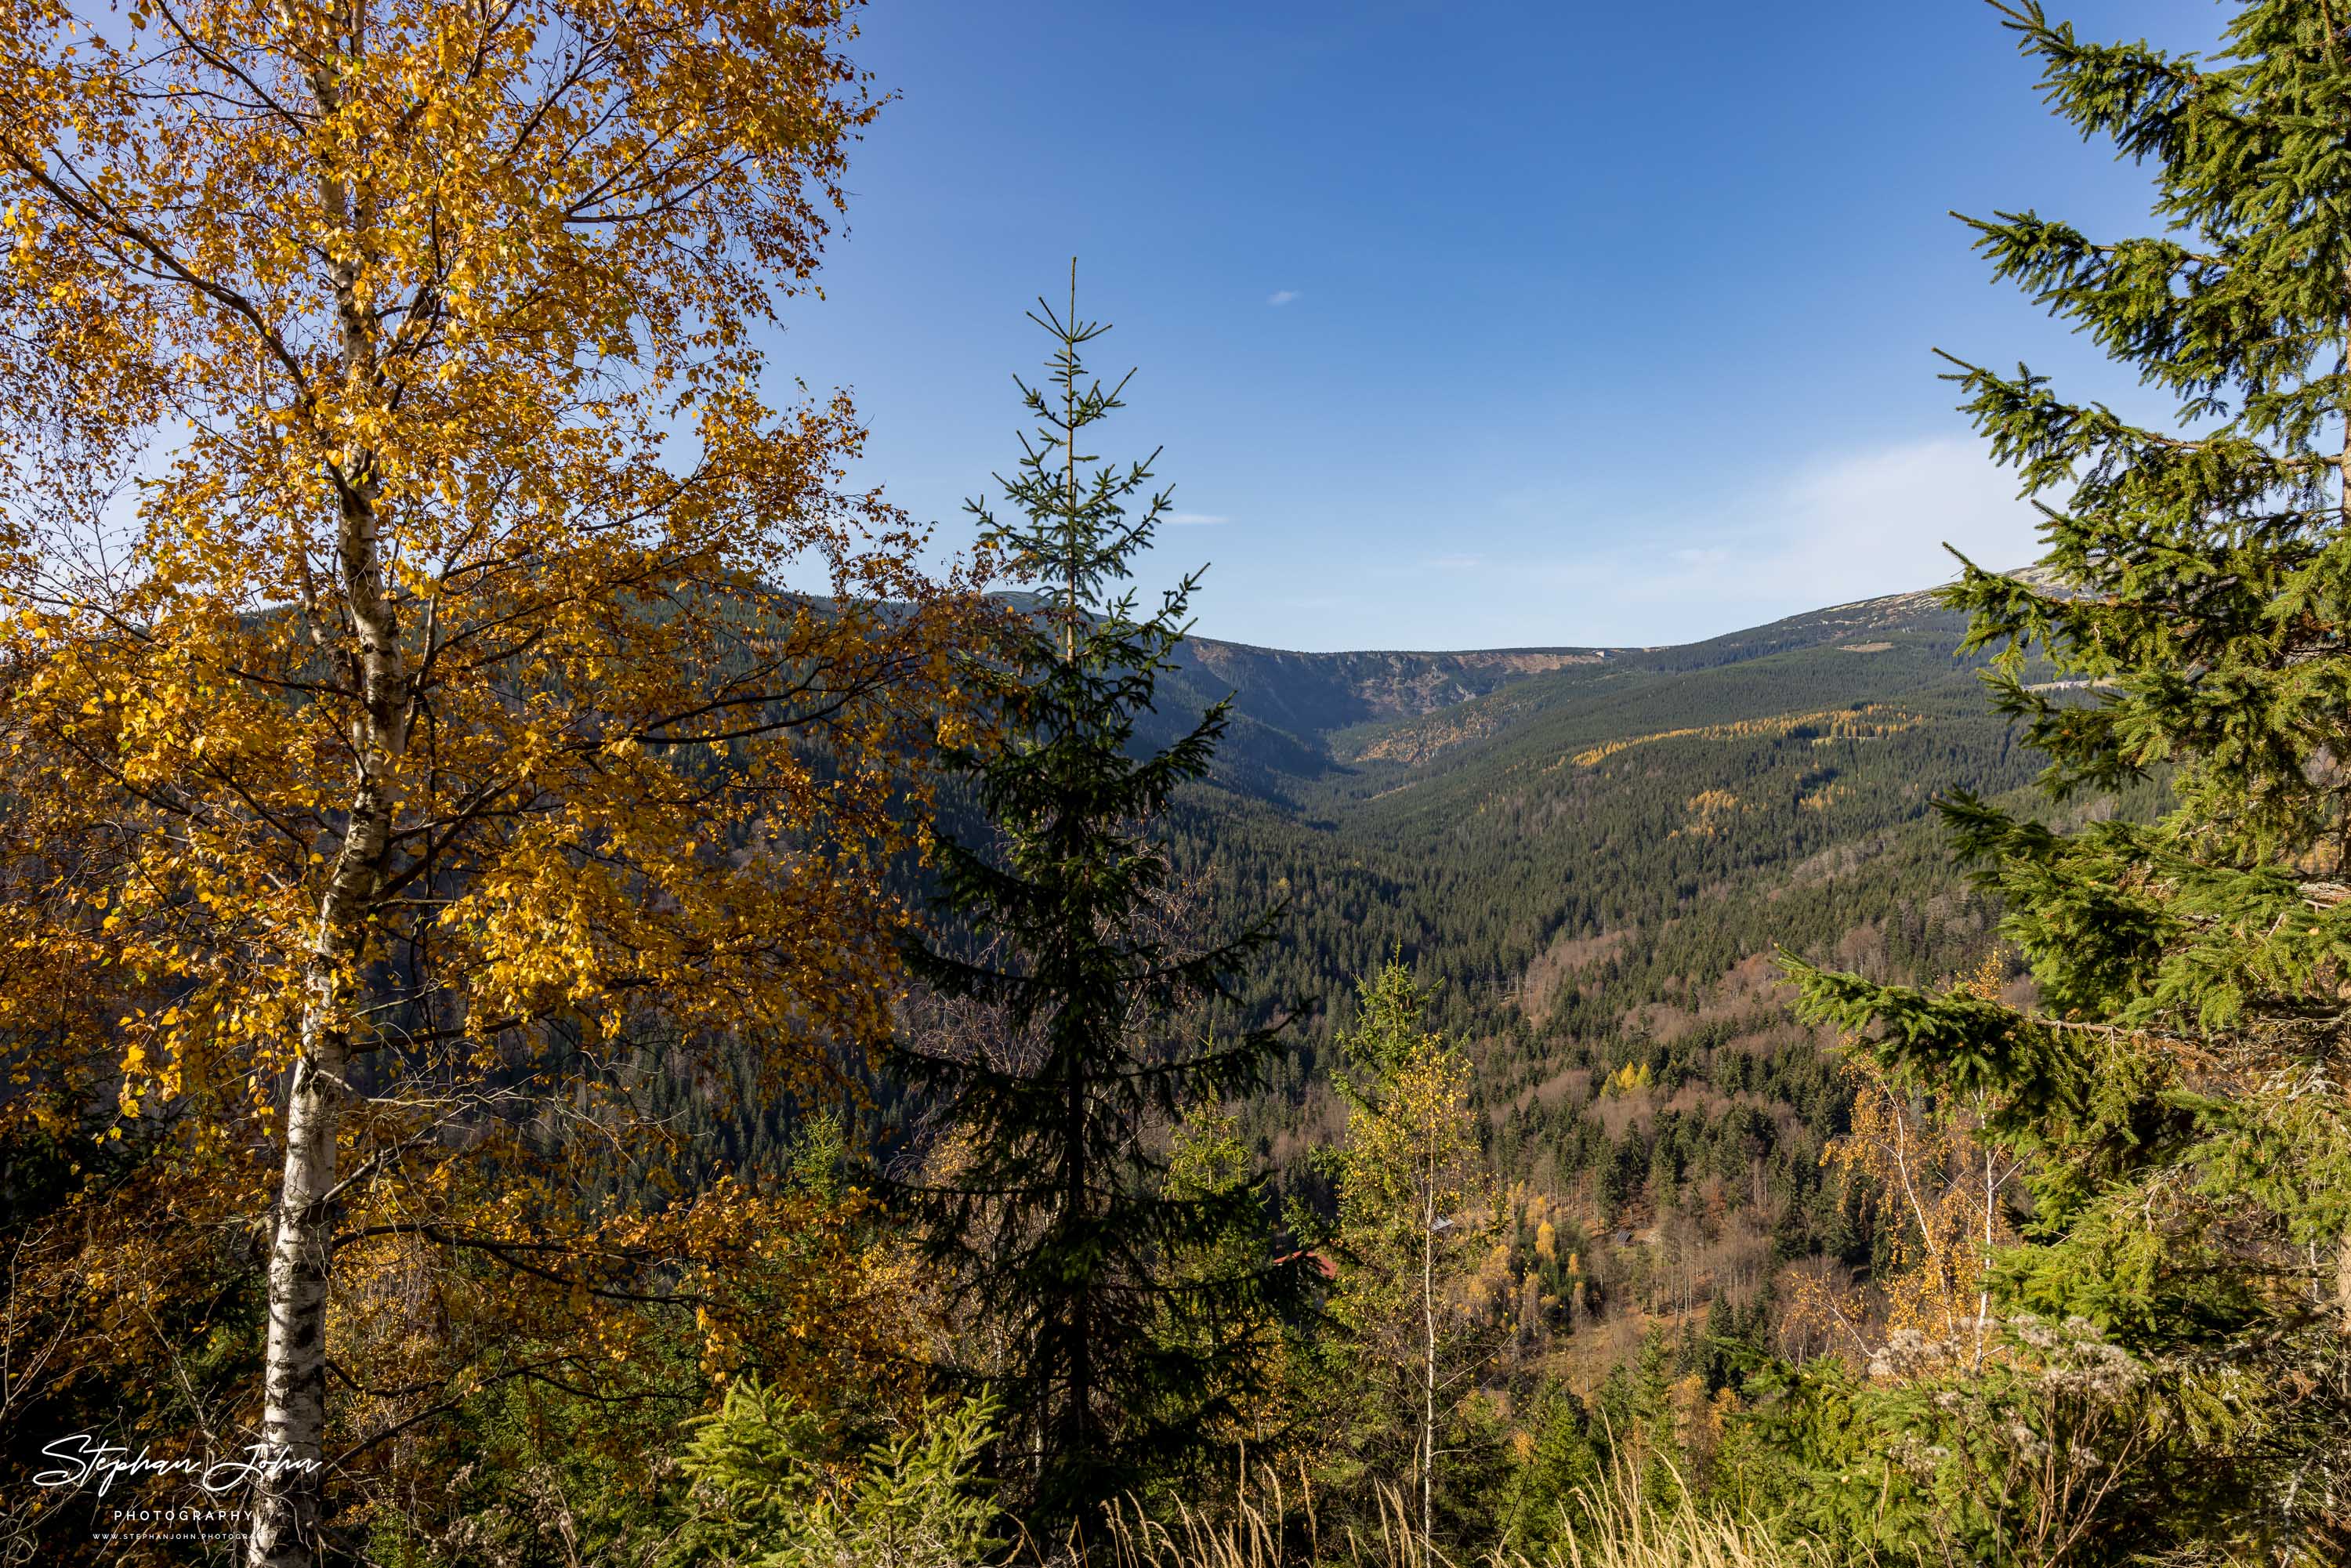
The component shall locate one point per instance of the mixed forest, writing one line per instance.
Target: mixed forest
(575, 990)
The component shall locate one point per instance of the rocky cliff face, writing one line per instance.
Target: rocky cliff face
(1322, 692)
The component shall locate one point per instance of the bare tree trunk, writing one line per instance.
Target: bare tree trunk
(289, 1481)
(1983, 1264)
(1428, 1361)
(287, 1489)
(288, 1484)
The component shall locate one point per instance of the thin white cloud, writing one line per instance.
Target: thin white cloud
(1844, 525)
(1282, 296)
(1454, 562)
(1872, 522)
(1196, 519)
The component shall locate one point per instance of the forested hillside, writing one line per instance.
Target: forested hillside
(1595, 863)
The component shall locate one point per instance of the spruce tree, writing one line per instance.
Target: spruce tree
(2182, 1079)
(1047, 1204)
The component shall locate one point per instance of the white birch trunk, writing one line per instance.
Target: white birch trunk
(288, 1483)
(1428, 1363)
(287, 1486)
(287, 1489)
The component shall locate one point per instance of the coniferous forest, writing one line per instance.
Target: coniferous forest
(579, 987)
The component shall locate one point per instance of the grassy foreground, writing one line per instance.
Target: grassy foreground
(1626, 1527)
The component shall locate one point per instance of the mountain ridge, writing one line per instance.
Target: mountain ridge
(1305, 715)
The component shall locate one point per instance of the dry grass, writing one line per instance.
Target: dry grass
(1626, 1529)
(1634, 1530)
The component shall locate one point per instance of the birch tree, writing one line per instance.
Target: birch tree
(1416, 1212)
(1939, 1192)
(430, 655)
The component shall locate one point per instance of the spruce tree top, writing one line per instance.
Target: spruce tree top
(2193, 596)
(1072, 533)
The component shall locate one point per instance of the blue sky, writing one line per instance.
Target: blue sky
(1477, 324)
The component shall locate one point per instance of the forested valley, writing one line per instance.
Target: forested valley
(575, 990)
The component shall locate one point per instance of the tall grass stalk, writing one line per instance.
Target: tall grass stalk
(1624, 1527)
(1621, 1526)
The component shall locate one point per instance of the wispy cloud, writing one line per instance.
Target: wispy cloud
(1876, 521)
(1195, 520)
(1453, 562)
(1846, 526)
(1282, 296)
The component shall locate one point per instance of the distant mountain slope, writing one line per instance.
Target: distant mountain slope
(1809, 662)
(1299, 716)
(1310, 695)
(1619, 793)
(1596, 851)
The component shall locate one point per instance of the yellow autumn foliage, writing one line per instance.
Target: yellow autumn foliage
(438, 687)
(1869, 722)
